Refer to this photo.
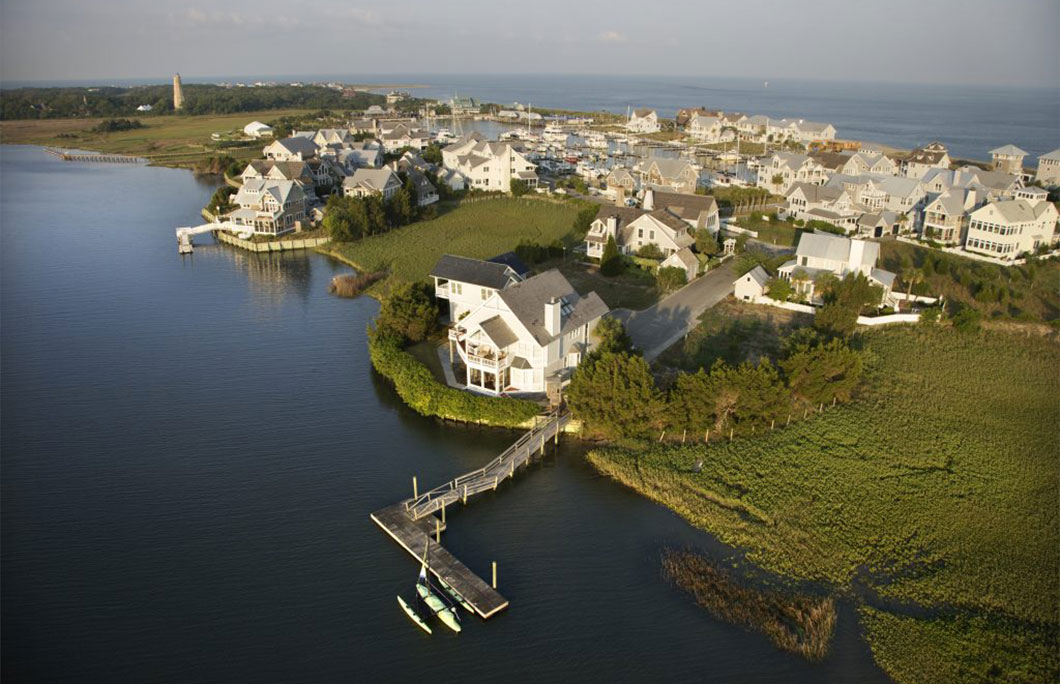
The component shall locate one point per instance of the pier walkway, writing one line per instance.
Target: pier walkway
(411, 524)
(94, 157)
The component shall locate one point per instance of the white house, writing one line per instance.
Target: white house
(674, 174)
(256, 129)
(365, 182)
(1009, 228)
(704, 127)
(1008, 158)
(489, 165)
(466, 283)
(946, 215)
(527, 337)
(643, 121)
(923, 159)
(809, 202)
(861, 163)
(609, 222)
(778, 172)
(295, 148)
(1049, 169)
(272, 207)
(633, 229)
(824, 252)
(808, 132)
(751, 285)
(685, 260)
(698, 211)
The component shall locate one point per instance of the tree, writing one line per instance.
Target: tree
(432, 154)
(706, 243)
(670, 278)
(742, 398)
(615, 394)
(777, 179)
(839, 315)
(799, 277)
(611, 337)
(409, 312)
(823, 373)
(912, 277)
(611, 261)
(967, 320)
(399, 209)
(518, 187)
(824, 283)
(650, 251)
(779, 289)
(584, 219)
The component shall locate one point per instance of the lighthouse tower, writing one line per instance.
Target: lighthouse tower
(178, 93)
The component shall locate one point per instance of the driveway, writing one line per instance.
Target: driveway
(660, 326)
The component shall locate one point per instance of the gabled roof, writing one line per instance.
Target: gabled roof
(670, 168)
(878, 218)
(1051, 156)
(474, 271)
(641, 113)
(685, 257)
(1010, 151)
(684, 205)
(526, 300)
(623, 214)
(758, 274)
(833, 247)
(499, 332)
(1014, 211)
(373, 179)
(296, 145)
(929, 154)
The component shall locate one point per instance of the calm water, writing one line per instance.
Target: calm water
(191, 449)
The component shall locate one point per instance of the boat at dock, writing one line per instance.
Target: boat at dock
(435, 604)
(414, 615)
(455, 596)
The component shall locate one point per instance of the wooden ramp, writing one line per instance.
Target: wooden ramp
(414, 537)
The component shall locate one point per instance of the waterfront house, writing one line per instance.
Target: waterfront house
(684, 116)
(273, 170)
(946, 215)
(464, 106)
(672, 174)
(923, 159)
(1009, 228)
(271, 207)
(808, 132)
(426, 193)
(705, 128)
(698, 211)
(489, 165)
(294, 148)
(465, 283)
(751, 285)
(643, 121)
(1008, 159)
(364, 182)
(819, 252)
(527, 337)
(1048, 173)
(402, 136)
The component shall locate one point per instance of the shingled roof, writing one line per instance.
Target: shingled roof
(526, 300)
(474, 271)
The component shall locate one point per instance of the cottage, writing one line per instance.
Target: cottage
(751, 285)
(466, 283)
(294, 148)
(819, 253)
(643, 121)
(620, 177)
(426, 193)
(364, 182)
(609, 222)
(923, 159)
(526, 337)
(1049, 169)
(673, 174)
(1008, 159)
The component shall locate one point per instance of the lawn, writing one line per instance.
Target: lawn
(783, 233)
(633, 289)
(937, 491)
(480, 229)
(734, 332)
(167, 140)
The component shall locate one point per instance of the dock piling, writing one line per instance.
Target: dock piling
(415, 490)
(494, 574)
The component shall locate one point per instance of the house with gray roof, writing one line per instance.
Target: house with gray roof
(820, 252)
(1009, 228)
(921, 160)
(527, 337)
(643, 121)
(465, 283)
(271, 207)
(698, 211)
(1008, 158)
(751, 285)
(294, 148)
(1048, 173)
(364, 182)
(677, 175)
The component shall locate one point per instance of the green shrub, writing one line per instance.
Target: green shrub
(417, 387)
(670, 278)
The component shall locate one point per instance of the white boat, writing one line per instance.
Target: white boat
(413, 615)
(554, 133)
(455, 596)
(436, 604)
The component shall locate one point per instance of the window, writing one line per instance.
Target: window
(485, 292)
(456, 288)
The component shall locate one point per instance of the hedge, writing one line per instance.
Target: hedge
(423, 394)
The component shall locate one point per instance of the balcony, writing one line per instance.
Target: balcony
(441, 291)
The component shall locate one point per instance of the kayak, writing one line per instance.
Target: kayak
(455, 596)
(438, 607)
(414, 615)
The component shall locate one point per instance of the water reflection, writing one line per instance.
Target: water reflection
(272, 276)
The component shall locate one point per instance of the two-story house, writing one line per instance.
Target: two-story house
(824, 252)
(609, 222)
(1048, 173)
(670, 174)
(489, 165)
(782, 169)
(527, 337)
(465, 283)
(945, 216)
(1008, 158)
(923, 159)
(705, 128)
(365, 182)
(295, 148)
(698, 211)
(643, 121)
(271, 207)
(1009, 228)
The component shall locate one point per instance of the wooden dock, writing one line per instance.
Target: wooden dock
(411, 524)
(89, 157)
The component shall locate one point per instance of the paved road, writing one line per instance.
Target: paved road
(659, 326)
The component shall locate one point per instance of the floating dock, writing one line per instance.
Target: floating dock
(411, 524)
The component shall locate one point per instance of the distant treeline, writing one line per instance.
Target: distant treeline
(60, 103)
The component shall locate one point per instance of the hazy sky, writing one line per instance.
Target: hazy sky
(932, 41)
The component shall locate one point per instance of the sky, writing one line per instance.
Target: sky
(985, 42)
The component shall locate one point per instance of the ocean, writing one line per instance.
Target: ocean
(970, 120)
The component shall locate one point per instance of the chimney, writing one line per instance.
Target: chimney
(648, 203)
(553, 317)
(857, 253)
(612, 226)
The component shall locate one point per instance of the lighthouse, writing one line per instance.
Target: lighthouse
(178, 93)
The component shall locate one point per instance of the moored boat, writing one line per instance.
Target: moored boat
(414, 615)
(435, 604)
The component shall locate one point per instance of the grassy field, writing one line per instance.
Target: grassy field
(937, 489)
(735, 332)
(783, 233)
(479, 229)
(1023, 293)
(165, 140)
(633, 289)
